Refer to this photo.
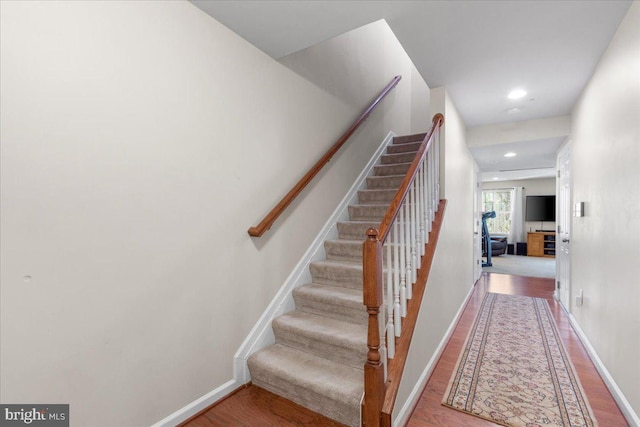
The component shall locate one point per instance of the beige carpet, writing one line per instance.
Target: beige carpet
(522, 266)
(514, 369)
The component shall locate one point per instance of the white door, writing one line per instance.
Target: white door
(477, 228)
(563, 223)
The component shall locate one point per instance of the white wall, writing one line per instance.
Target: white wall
(605, 243)
(451, 276)
(140, 140)
(375, 45)
(532, 187)
(420, 104)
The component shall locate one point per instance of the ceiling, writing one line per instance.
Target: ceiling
(534, 159)
(478, 50)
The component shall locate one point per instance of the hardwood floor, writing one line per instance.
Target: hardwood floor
(430, 413)
(256, 407)
(252, 406)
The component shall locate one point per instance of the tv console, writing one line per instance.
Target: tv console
(541, 243)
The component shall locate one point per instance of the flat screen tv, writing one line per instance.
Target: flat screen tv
(540, 208)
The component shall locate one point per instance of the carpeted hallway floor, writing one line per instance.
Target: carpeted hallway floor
(522, 266)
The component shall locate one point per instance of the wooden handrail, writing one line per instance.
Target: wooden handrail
(268, 220)
(394, 207)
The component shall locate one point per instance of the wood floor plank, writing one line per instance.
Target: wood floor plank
(256, 407)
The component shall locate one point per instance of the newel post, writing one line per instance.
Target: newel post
(373, 369)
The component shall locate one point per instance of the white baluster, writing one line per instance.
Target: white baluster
(414, 239)
(434, 196)
(383, 348)
(425, 208)
(407, 250)
(430, 188)
(396, 279)
(409, 203)
(426, 203)
(437, 143)
(421, 235)
(391, 348)
(403, 260)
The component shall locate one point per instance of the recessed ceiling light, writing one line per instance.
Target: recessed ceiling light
(514, 110)
(510, 154)
(517, 93)
(495, 178)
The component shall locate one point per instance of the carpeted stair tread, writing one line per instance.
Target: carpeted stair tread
(333, 301)
(347, 274)
(327, 387)
(343, 249)
(391, 159)
(337, 273)
(395, 169)
(350, 250)
(333, 339)
(405, 139)
(389, 181)
(377, 196)
(368, 212)
(403, 148)
(355, 230)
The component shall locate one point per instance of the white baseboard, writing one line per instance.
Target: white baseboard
(628, 412)
(405, 412)
(198, 405)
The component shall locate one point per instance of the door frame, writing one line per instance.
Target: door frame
(477, 214)
(563, 226)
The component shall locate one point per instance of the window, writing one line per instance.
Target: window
(500, 202)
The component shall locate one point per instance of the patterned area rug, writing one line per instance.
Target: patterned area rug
(514, 369)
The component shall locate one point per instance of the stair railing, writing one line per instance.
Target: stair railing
(398, 244)
(271, 217)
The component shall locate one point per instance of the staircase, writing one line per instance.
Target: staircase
(321, 346)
